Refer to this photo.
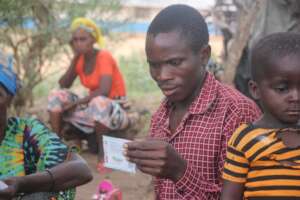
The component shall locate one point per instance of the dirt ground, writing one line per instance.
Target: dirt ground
(133, 186)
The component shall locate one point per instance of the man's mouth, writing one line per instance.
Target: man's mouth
(167, 91)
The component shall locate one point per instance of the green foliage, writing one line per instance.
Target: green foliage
(13, 12)
(136, 72)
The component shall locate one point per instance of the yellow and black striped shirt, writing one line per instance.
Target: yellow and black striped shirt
(256, 157)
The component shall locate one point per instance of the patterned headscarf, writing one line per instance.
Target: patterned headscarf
(89, 26)
(8, 78)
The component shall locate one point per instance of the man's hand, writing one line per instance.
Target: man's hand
(157, 158)
(11, 191)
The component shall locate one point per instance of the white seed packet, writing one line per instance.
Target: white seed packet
(113, 154)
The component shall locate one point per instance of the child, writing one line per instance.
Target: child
(263, 158)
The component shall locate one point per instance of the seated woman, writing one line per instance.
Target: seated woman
(33, 159)
(102, 109)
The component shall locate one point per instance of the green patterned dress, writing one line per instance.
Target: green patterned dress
(29, 146)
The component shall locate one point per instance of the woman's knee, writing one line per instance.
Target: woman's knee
(57, 98)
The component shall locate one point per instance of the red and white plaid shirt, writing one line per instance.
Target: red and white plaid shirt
(201, 139)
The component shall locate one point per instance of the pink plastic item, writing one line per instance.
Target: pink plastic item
(106, 191)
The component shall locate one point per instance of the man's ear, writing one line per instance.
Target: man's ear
(205, 54)
(254, 90)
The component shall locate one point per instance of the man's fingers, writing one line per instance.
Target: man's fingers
(147, 163)
(147, 155)
(149, 170)
(145, 145)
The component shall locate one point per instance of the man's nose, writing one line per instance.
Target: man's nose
(295, 94)
(164, 73)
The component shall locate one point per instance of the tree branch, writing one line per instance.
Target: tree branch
(240, 39)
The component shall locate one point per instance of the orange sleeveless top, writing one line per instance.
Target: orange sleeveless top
(105, 65)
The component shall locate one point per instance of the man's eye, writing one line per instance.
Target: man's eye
(153, 65)
(175, 62)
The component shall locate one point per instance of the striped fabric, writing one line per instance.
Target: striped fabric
(259, 159)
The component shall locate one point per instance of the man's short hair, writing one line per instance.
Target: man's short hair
(269, 49)
(185, 19)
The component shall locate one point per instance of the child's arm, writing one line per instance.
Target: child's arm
(232, 191)
(236, 167)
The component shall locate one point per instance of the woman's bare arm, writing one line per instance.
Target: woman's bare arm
(66, 175)
(68, 78)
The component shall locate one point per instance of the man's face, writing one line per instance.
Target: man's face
(177, 70)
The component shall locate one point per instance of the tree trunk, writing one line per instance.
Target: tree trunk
(240, 39)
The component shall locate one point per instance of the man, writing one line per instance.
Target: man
(190, 129)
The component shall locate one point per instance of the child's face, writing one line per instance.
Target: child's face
(279, 91)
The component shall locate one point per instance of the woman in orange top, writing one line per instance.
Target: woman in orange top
(101, 109)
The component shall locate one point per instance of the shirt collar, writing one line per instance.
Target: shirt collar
(204, 100)
(206, 97)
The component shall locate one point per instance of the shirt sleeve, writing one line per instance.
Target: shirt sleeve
(236, 166)
(47, 146)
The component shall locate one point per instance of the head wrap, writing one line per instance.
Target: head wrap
(89, 26)
(8, 79)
